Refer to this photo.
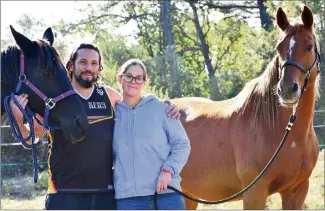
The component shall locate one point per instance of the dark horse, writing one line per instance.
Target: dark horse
(43, 68)
(232, 140)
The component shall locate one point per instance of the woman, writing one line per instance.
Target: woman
(150, 149)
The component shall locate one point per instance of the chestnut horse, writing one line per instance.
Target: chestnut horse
(233, 140)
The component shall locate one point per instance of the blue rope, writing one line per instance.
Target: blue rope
(28, 115)
(21, 164)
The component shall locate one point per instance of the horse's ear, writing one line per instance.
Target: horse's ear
(281, 19)
(307, 17)
(23, 42)
(48, 35)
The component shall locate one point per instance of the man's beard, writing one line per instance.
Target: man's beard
(85, 83)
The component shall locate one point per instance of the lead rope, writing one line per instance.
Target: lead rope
(17, 132)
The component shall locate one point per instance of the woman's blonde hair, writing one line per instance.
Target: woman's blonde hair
(131, 62)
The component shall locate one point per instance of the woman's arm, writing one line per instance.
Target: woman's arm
(180, 146)
(180, 151)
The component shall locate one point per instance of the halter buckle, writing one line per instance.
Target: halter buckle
(49, 103)
(22, 77)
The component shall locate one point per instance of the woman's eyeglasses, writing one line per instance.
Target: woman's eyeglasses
(129, 79)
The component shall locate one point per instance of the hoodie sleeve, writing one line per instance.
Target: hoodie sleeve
(179, 143)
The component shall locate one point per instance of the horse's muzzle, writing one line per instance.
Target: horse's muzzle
(289, 93)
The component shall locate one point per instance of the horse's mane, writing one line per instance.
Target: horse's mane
(259, 98)
(9, 67)
(48, 55)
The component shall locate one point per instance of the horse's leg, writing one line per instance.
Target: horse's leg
(294, 198)
(190, 205)
(255, 198)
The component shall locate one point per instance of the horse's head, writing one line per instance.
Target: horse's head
(298, 51)
(44, 69)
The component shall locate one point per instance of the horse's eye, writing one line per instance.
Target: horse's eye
(309, 48)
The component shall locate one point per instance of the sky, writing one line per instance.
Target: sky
(50, 12)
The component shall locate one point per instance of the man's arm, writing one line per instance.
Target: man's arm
(39, 130)
(114, 95)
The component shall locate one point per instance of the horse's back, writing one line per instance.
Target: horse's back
(193, 108)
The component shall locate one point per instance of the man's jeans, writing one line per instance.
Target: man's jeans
(168, 201)
(81, 201)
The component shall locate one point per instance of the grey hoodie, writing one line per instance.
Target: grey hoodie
(145, 141)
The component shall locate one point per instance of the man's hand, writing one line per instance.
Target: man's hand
(164, 180)
(22, 99)
(173, 111)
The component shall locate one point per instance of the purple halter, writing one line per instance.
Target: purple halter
(49, 102)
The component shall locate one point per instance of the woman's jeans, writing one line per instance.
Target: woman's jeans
(168, 201)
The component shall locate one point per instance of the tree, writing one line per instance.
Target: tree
(264, 16)
(243, 10)
(165, 7)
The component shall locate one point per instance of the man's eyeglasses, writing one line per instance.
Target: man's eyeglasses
(129, 79)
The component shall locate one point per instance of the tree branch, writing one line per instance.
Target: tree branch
(92, 19)
(184, 50)
(220, 58)
(187, 36)
(229, 6)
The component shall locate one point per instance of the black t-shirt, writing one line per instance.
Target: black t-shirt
(87, 165)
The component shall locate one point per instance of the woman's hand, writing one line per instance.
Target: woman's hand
(164, 180)
(22, 99)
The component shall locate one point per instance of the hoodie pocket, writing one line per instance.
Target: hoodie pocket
(148, 166)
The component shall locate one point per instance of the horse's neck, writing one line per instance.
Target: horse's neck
(307, 105)
(304, 113)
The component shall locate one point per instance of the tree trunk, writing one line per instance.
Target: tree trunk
(214, 93)
(266, 22)
(323, 30)
(169, 48)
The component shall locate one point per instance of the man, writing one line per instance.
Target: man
(81, 175)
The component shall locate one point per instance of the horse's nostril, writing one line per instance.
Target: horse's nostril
(294, 88)
(78, 124)
(82, 125)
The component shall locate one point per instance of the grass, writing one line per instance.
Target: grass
(23, 194)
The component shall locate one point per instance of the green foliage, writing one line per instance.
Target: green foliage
(43, 179)
(115, 51)
(160, 76)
